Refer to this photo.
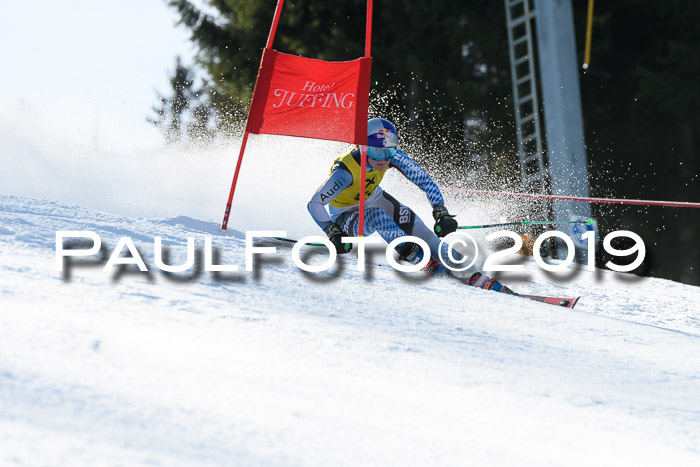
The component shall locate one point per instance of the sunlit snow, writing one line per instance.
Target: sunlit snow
(283, 367)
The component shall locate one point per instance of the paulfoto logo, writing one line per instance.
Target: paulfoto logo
(587, 243)
(458, 252)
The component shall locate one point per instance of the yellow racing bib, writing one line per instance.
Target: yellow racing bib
(351, 195)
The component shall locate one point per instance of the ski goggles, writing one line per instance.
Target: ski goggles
(381, 154)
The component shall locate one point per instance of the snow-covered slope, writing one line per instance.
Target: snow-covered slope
(281, 367)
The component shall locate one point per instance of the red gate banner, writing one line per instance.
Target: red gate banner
(298, 96)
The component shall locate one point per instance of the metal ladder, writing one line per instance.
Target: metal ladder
(533, 173)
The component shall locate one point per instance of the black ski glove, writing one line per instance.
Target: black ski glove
(410, 252)
(445, 223)
(334, 235)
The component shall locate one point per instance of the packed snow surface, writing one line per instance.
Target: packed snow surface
(282, 367)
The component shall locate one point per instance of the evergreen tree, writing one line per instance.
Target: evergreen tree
(640, 101)
(429, 58)
(441, 71)
(189, 113)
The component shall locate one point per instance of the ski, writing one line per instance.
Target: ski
(282, 241)
(566, 302)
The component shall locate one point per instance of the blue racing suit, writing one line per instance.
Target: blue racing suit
(383, 213)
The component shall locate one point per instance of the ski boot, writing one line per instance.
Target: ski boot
(413, 254)
(436, 268)
(485, 282)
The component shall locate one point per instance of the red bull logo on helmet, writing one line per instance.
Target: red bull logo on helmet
(387, 137)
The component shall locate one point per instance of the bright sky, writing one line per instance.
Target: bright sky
(90, 65)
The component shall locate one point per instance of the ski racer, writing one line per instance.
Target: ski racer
(383, 213)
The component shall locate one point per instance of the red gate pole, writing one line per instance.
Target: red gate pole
(363, 191)
(270, 40)
(368, 30)
(227, 212)
(363, 147)
(275, 22)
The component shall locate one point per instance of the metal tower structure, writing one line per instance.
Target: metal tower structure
(519, 19)
(567, 169)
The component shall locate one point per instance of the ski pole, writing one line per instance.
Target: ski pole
(290, 240)
(507, 224)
